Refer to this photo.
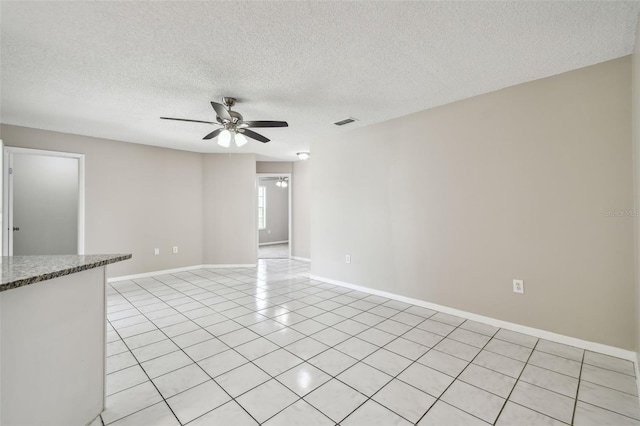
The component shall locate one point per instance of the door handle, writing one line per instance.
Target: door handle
(15, 228)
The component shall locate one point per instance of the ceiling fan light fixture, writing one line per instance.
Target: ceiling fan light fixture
(224, 139)
(284, 184)
(240, 139)
(279, 183)
(303, 155)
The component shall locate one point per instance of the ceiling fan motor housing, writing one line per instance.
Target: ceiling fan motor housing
(236, 118)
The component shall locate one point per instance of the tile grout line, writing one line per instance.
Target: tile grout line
(196, 363)
(575, 401)
(417, 362)
(508, 398)
(611, 411)
(457, 376)
(154, 385)
(249, 361)
(305, 361)
(367, 398)
(181, 349)
(333, 347)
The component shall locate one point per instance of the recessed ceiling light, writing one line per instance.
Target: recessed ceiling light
(303, 155)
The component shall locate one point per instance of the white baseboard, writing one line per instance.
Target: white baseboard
(637, 360)
(303, 259)
(536, 332)
(176, 270)
(153, 273)
(233, 265)
(273, 242)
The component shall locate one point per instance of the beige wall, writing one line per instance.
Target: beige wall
(449, 205)
(301, 209)
(273, 167)
(229, 201)
(136, 198)
(635, 101)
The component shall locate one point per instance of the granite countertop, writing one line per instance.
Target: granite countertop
(18, 271)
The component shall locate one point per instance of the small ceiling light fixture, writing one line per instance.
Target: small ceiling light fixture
(282, 183)
(224, 140)
(228, 136)
(240, 140)
(303, 155)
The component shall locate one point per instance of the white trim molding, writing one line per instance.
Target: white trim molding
(542, 334)
(231, 265)
(635, 362)
(273, 242)
(302, 259)
(7, 190)
(176, 270)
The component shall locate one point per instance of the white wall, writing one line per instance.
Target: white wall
(45, 204)
(277, 213)
(449, 205)
(52, 358)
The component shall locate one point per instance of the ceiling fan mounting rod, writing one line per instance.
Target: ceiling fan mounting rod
(228, 102)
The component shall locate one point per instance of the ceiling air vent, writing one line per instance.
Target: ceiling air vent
(345, 121)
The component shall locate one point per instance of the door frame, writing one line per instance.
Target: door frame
(7, 193)
(266, 175)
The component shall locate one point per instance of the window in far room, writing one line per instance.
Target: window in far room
(262, 202)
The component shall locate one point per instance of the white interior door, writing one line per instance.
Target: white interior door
(44, 204)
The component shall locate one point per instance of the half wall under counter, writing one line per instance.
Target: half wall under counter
(52, 338)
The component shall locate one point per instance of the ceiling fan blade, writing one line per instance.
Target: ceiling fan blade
(253, 135)
(264, 123)
(186, 119)
(213, 134)
(222, 112)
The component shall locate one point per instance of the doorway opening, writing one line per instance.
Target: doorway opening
(274, 215)
(43, 202)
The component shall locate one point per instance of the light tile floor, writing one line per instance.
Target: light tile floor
(274, 251)
(270, 346)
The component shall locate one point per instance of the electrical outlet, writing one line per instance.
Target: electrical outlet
(347, 258)
(518, 286)
(175, 249)
(156, 251)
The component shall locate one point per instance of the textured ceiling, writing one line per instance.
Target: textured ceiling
(111, 69)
